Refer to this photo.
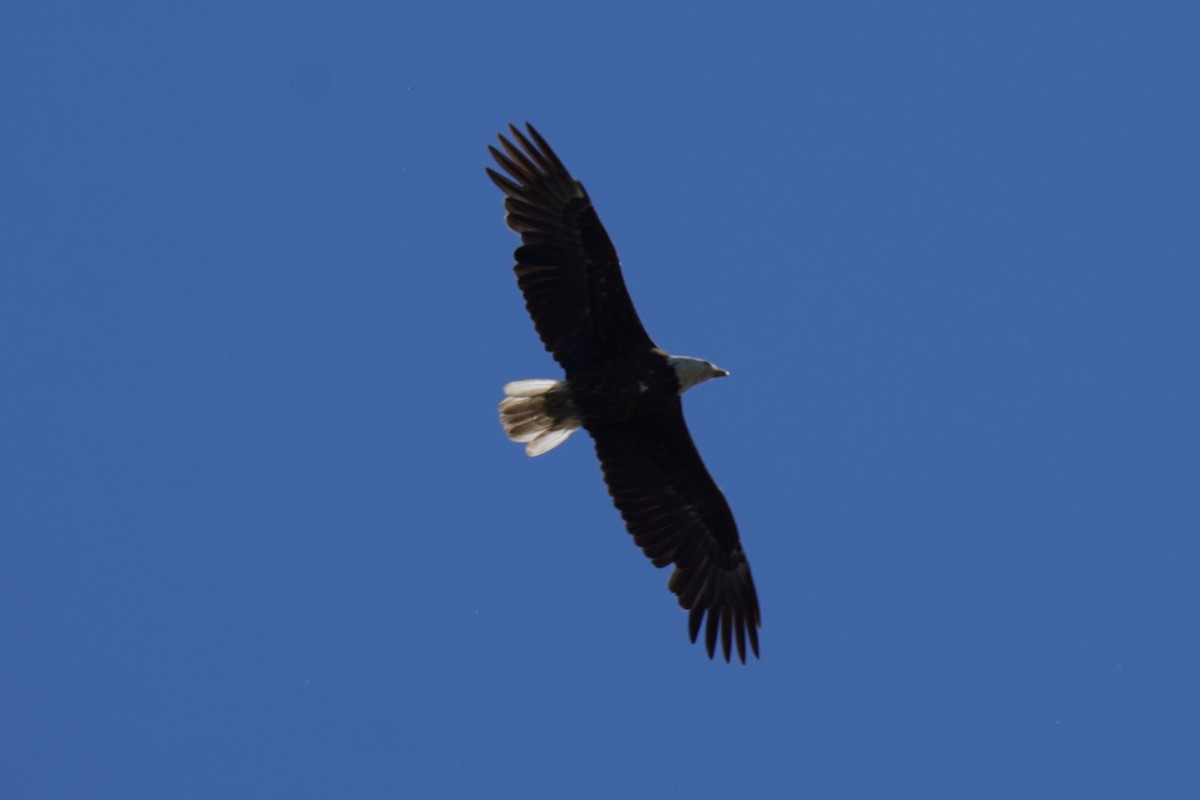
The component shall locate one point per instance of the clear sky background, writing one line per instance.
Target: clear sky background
(262, 535)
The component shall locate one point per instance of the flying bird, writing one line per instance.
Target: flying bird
(623, 390)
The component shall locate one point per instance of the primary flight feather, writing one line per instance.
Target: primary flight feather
(623, 390)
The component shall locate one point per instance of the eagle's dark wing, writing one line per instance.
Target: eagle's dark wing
(679, 516)
(566, 265)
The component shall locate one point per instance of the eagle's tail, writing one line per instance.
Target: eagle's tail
(538, 412)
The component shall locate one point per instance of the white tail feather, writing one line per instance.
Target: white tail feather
(533, 387)
(547, 441)
(525, 417)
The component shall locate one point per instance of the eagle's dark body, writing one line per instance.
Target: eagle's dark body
(624, 390)
(638, 385)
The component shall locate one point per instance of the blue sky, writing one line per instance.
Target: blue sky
(264, 538)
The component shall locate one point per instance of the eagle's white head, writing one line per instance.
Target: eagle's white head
(692, 371)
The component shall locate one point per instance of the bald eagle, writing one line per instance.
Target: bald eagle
(623, 390)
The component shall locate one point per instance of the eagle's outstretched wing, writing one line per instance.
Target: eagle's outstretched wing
(679, 516)
(566, 265)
